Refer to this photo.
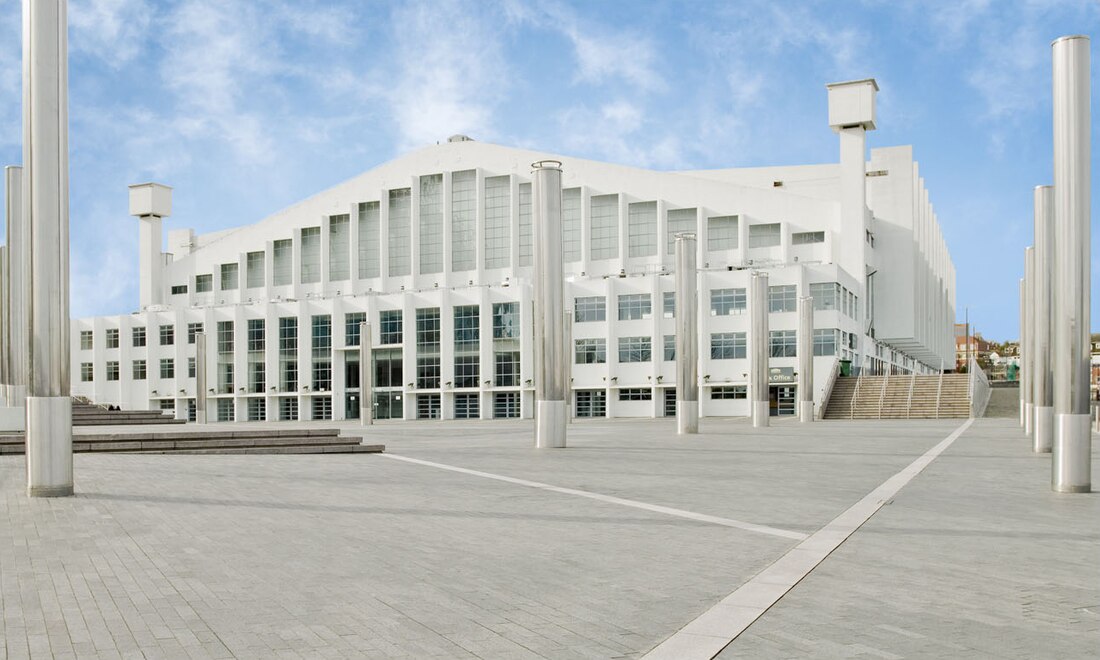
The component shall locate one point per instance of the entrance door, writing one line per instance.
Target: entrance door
(781, 400)
(387, 405)
(670, 402)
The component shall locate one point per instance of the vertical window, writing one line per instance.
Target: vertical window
(669, 304)
(254, 264)
(463, 217)
(641, 229)
(431, 223)
(322, 353)
(591, 351)
(467, 343)
(190, 367)
(339, 248)
(257, 409)
(525, 237)
(311, 255)
(589, 308)
(256, 336)
(86, 340)
(670, 348)
(680, 221)
(498, 238)
(225, 357)
(604, 243)
(825, 295)
(167, 368)
(506, 320)
(825, 341)
(724, 302)
(389, 326)
(139, 336)
(635, 306)
(635, 349)
(761, 236)
(782, 298)
(352, 325)
(112, 370)
(86, 372)
(204, 283)
(283, 251)
(400, 247)
(571, 224)
(728, 345)
(722, 233)
(506, 332)
(112, 337)
(370, 264)
(288, 356)
(427, 348)
(783, 343)
(230, 276)
(192, 330)
(167, 335)
(138, 370)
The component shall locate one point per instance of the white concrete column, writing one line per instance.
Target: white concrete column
(550, 366)
(15, 291)
(570, 350)
(1041, 377)
(1021, 348)
(46, 194)
(687, 336)
(806, 359)
(1072, 451)
(759, 349)
(1028, 337)
(149, 203)
(366, 375)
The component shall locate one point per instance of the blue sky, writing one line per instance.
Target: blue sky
(246, 106)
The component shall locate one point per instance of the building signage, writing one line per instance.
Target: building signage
(781, 375)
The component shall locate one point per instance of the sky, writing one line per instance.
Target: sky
(247, 106)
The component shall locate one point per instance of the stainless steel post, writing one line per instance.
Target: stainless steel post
(200, 377)
(760, 349)
(49, 443)
(18, 229)
(550, 366)
(1029, 339)
(5, 326)
(569, 352)
(687, 335)
(1042, 385)
(1021, 348)
(1072, 451)
(366, 375)
(806, 359)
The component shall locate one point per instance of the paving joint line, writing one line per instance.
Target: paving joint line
(712, 631)
(610, 499)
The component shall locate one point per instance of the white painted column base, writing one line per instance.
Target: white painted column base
(1072, 454)
(687, 417)
(1043, 429)
(1028, 418)
(805, 411)
(549, 424)
(49, 446)
(760, 414)
(1022, 413)
(1071, 464)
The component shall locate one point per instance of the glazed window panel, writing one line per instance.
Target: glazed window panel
(255, 264)
(807, 237)
(571, 224)
(635, 306)
(766, 235)
(526, 239)
(230, 277)
(352, 327)
(728, 345)
(463, 220)
(783, 343)
(370, 264)
(604, 241)
(283, 252)
(311, 255)
(204, 283)
(722, 232)
(431, 223)
(825, 341)
(680, 221)
(498, 237)
(591, 351)
(167, 335)
(587, 309)
(641, 229)
(400, 247)
(86, 340)
(138, 336)
(825, 295)
(782, 298)
(112, 337)
(635, 349)
(339, 248)
(390, 326)
(138, 370)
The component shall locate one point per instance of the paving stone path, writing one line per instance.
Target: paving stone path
(362, 556)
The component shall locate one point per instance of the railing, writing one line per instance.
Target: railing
(909, 400)
(855, 396)
(939, 394)
(978, 390)
(827, 393)
(882, 392)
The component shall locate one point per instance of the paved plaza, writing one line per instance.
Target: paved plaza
(822, 540)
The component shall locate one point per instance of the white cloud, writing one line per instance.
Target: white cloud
(619, 132)
(114, 31)
(451, 73)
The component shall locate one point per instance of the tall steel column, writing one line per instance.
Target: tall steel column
(366, 375)
(806, 359)
(18, 229)
(569, 350)
(1072, 451)
(1021, 348)
(1028, 338)
(550, 366)
(49, 443)
(758, 349)
(1042, 385)
(5, 326)
(200, 377)
(687, 335)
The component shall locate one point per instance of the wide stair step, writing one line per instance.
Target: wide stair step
(900, 397)
(267, 441)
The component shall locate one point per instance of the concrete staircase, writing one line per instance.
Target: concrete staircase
(900, 397)
(214, 441)
(89, 414)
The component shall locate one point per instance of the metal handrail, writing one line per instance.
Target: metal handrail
(978, 389)
(939, 394)
(909, 401)
(855, 395)
(827, 393)
(882, 392)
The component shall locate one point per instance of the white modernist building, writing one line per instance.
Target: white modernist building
(434, 250)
